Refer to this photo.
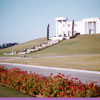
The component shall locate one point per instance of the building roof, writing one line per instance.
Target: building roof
(61, 18)
(90, 19)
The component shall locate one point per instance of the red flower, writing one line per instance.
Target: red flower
(33, 89)
(64, 93)
(58, 88)
(62, 88)
(59, 94)
(55, 76)
(69, 96)
(50, 85)
(63, 75)
(76, 78)
(59, 73)
(51, 74)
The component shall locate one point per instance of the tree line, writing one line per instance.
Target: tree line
(6, 45)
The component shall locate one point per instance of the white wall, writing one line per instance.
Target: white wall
(81, 27)
(97, 20)
(61, 26)
(78, 27)
(69, 28)
(98, 26)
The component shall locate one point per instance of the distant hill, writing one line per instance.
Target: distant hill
(84, 44)
(22, 46)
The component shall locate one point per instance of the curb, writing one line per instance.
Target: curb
(53, 68)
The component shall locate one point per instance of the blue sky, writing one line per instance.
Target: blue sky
(24, 20)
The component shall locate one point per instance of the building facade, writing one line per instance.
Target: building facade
(85, 26)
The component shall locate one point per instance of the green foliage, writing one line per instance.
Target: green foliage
(51, 86)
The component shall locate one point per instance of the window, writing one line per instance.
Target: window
(69, 32)
(75, 31)
(68, 25)
(75, 25)
(63, 25)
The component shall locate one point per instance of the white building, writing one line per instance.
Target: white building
(85, 26)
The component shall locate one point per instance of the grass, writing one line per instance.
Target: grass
(82, 52)
(8, 92)
(22, 46)
(86, 44)
(83, 62)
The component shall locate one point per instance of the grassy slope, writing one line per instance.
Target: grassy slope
(8, 92)
(86, 44)
(22, 46)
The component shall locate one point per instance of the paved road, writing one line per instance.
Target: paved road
(6, 58)
(81, 74)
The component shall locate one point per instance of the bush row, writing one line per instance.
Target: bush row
(51, 86)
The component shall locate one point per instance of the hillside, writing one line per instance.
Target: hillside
(86, 44)
(22, 46)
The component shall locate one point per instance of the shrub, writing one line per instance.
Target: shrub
(51, 86)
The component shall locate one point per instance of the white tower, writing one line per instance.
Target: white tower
(61, 27)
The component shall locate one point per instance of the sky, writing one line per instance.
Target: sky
(24, 20)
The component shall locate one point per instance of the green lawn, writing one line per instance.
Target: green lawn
(8, 92)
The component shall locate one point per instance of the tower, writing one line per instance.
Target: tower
(61, 27)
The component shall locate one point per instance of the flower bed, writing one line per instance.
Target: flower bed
(51, 86)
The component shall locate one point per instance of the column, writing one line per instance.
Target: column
(87, 27)
(56, 28)
(95, 27)
(92, 29)
(62, 28)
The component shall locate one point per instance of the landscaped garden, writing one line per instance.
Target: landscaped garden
(52, 86)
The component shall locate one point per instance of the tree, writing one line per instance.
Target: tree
(48, 32)
(3, 45)
(6, 45)
(72, 27)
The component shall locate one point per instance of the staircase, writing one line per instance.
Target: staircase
(35, 48)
